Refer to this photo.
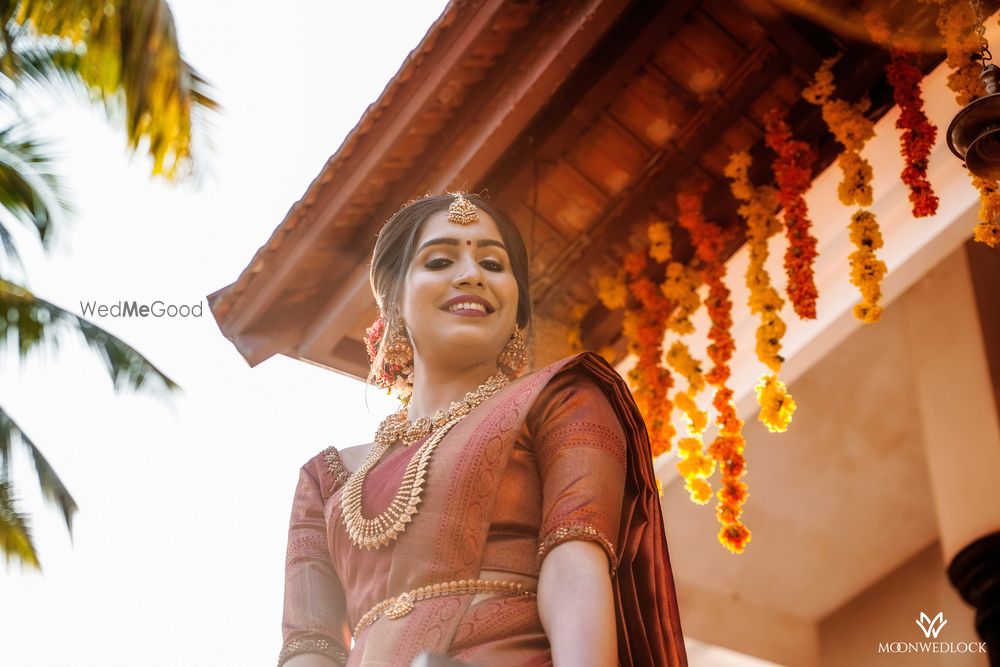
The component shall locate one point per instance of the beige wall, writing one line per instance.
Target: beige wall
(887, 612)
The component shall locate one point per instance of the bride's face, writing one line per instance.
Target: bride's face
(459, 264)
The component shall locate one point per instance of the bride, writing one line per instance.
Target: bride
(498, 518)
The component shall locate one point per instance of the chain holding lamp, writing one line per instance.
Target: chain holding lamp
(974, 133)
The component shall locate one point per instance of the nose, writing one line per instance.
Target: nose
(470, 273)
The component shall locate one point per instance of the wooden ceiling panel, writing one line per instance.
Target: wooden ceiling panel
(782, 94)
(609, 155)
(568, 199)
(700, 56)
(652, 108)
(732, 17)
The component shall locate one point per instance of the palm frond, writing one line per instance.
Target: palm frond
(132, 59)
(15, 530)
(28, 321)
(29, 189)
(47, 64)
(52, 487)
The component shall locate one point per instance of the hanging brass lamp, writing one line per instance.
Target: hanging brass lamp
(974, 133)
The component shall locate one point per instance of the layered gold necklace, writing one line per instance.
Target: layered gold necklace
(378, 531)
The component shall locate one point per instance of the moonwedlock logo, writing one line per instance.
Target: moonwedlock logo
(932, 627)
(135, 309)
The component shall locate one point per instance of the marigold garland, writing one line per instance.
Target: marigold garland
(776, 405)
(645, 326)
(852, 129)
(757, 209)
(918, 133)
(680, 286)
(693, 465)
(611, 290)
(987, 230)
(956, 21)
(660, 243)
(793, 173)
(574, 336)
(867, 270)
(727, 448)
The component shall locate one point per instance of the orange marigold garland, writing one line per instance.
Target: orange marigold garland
(727, 448)
(918, 132)
(793, 174)
(852, 129)
(757, 209)
(645, 329)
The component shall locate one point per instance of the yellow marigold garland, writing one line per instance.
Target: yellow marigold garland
(852, 129)
(867, 270)
(956, 21)
(574, 338)
(727, 448)
(693, 466)
(612, 291)
(757, 209)
(680, 286)
(660, 243)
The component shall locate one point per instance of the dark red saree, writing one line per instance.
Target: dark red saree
(561, 453)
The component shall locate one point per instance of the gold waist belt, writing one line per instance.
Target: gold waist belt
(402, 604)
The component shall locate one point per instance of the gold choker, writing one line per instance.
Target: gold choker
(376, 532)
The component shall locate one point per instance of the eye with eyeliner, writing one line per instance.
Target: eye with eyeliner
(496, 266)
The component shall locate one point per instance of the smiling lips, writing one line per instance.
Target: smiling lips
(468, 306)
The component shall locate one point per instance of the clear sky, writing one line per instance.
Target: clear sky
(178, 549)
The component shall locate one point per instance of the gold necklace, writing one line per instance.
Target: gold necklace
(373, 533)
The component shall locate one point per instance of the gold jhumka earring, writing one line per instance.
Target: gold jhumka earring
(398, 349)
(514, 355)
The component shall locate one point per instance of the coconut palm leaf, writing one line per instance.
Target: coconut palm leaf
(29, 189)
(45, 64)
(15, 531)
(27, 322)
(52, 487)
(132, 61)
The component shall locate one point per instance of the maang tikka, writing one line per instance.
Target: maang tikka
(462, 211)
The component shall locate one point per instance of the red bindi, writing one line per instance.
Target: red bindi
(468, 243)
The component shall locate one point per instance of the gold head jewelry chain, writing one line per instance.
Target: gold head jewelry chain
(378, 531)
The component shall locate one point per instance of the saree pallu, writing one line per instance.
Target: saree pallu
(559, 454)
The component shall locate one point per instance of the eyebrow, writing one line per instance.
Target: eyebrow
(481, 243)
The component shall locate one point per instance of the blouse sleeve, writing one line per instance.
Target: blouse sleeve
(315, 608)
(580, 445)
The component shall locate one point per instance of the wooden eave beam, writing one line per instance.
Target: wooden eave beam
(432, 76)
(486, 130)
